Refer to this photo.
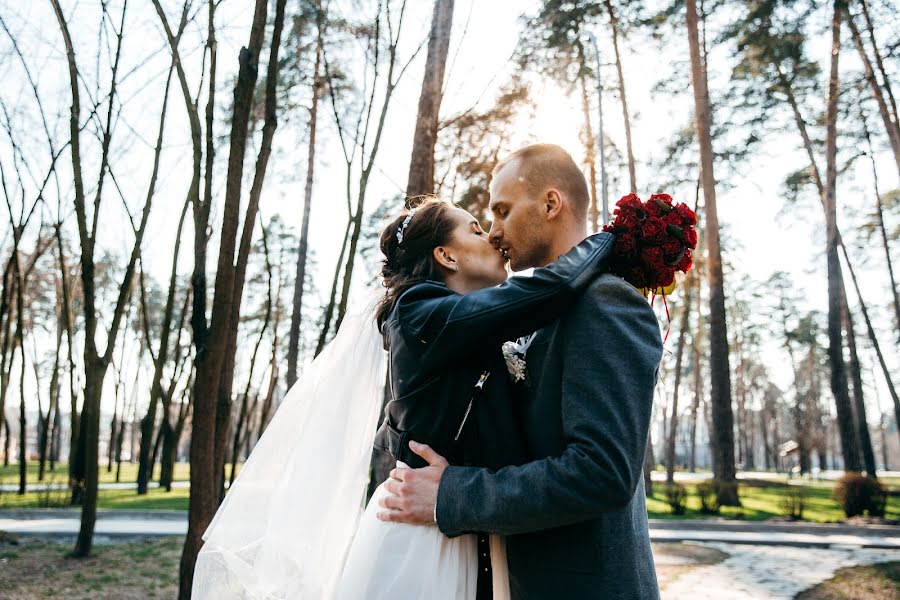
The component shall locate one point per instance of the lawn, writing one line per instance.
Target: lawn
(761, 502)
(761, 499)
(34, 570)
(10, 474)
(155, 499)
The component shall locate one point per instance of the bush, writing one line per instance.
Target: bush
(859, 494)
(708, 491)
(676, 496)
(793, 503)
(711, 494)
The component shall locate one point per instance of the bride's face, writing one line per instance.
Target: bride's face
(471, 260)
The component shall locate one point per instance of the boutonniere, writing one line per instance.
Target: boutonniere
(514, 355)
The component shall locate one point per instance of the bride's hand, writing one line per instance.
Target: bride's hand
(412, 493)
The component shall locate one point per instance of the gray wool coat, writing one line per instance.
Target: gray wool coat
(575, 516)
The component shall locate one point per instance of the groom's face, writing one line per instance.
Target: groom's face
(518, 228)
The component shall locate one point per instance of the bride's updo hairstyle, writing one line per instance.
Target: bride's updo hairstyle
(407, 243)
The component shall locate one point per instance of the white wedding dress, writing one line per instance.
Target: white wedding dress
(293, 527)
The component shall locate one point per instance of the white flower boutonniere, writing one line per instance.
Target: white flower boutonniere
(514, 355)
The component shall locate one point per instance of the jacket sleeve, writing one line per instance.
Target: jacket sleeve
(445, 326)
(612, 350)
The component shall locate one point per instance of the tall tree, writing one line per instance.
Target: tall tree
(421, 165)
(679, 357)
(214, 373)
(839, 384)
(620, 74)
(160, 359)
(722, 436)
(96, 364)
(361, 142)
(303, 247)
(891, 127)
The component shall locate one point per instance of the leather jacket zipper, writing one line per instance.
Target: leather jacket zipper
(475, 393)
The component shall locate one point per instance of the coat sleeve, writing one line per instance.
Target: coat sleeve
(612, 351)
(446, 326)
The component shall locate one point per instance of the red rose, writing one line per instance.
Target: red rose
(627, 220)
(625, 244)
(690, 237)
(631, 201)
(635, 277)
(673, 218)
(662, 198)
(652, 228)
(665, 277)
(688, 217)
(652, 209)
(671, 247)
(653, 258)
(684, 265)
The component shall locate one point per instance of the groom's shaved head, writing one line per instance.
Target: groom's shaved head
(544, 166)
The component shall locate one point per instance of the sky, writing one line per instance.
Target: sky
(763, 237)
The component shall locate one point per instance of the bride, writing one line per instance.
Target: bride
(293, 525)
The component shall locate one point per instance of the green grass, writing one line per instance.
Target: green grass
(155, 499)
(762, 502)
(10, 474)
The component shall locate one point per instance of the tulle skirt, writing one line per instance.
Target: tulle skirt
(388, 561)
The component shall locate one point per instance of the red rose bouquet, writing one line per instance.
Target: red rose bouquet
(654, 240)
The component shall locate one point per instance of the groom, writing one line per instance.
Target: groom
(575, 516)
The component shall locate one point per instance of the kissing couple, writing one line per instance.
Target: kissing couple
(516, 413)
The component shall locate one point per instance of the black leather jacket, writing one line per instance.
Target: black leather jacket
(442, 342)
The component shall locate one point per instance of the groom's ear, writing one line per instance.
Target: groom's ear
(553, 204)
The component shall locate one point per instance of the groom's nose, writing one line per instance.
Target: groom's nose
(495, 236)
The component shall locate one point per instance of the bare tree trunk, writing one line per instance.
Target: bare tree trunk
(55, 435)
(614, 25)
(879, 216)
(890, 127)
(223, 420)
(209, 428)
(52, 409)
(148, 422)
(589, 147)
(649, 465)
(879, 61)
(113, 428)
(7, 349)
(20, 340)
(354, 224)
(7, 442)
(300, 280)
(860, 405)
(679, 355)
(723, 424)
(245, 397)
(839, 386)
(698, 391)
(421, 166)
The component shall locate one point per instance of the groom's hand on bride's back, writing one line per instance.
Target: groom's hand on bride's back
(412, 493)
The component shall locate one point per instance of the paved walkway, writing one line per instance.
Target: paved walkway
(767, 572)
(13, 488)
(132, 523)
